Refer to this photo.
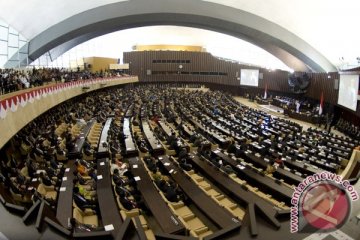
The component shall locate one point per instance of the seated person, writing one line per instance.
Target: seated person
(83, 227)
(117, 164)
(232, 147)
(161, 184)
(184, 165)
(270, 168)
(127, 203)
(151, 164)
(32, 168)
(197, 142)
(182, 153)
(52, 173)
(128, 191)
(81, 201)
(85, 190)
(20, 178)
(171, 139)
(279, 161)
(227, 168)
(171, 192)
(44, 178)
(84, 171)
(91, 182)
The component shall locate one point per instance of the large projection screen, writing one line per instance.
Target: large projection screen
(348, 91)
(249, 77)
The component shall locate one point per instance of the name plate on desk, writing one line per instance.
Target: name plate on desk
(240, 166)
(67, 170)
(62, 189)
(64, 178)
(166, 164)
(137, 178)
(135, 166)
(102, 163)
(109, 227)
(99, 177)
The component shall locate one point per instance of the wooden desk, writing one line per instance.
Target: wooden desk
(168, 131)
(154, 143)
(76, 152)
(301, 166)
(289, 177)
(221, 217)
(65, 200)
(131, 149)
(233, 188)
(280, 192)
(216, 137)
(106, 199)
(168, 222)
(103, 151)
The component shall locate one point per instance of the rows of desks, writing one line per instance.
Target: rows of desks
(221, 217)
(278, 190)
(168, 222)
(154, 143)
(131, 149)
(76, 152)
(233, 188)
(219, 139)
(261, 162)
(108, 207)
(103, 147)
(65, 199)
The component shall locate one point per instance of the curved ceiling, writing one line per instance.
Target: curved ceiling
(318, 34)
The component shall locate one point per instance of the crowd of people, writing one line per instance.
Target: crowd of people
(12, 80)
(348, 128)
(298, 105)
(38, 149)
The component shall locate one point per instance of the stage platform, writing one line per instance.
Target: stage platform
(271, 109)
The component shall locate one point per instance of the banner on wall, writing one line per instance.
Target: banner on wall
(22, 99)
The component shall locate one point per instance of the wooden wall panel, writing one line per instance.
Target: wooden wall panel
(276, 81)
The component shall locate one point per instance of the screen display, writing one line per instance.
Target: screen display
(348, 91)
(249, 77)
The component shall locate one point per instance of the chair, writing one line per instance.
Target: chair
(61, 157)
(18, 198)
(24, 171)
(86, 217)
(48, 192)
(180, 209)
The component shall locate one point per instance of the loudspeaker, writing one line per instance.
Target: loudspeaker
(336, 84)
(148, 72)
(261, 75)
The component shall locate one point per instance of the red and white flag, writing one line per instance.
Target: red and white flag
(265, 93)
(321, 107)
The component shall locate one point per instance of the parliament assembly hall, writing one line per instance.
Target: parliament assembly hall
(181, 119)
